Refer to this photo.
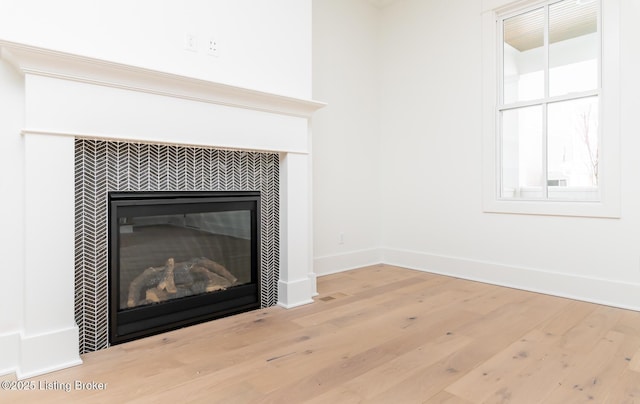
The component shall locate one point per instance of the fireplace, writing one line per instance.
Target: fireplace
(124, 128)
(179, 258)
(127, 171)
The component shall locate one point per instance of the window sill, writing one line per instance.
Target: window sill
(553, 208)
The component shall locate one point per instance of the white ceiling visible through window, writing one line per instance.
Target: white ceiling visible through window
(570, 19)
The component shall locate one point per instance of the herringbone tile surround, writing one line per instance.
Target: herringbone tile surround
(103, 166)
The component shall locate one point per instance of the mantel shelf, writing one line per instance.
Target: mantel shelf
(45, 62)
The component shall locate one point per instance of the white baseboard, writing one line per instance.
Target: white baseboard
(331, 264)
(9, 353)
(602, 291)
(573, 286)
(44, 353)
(295, 293)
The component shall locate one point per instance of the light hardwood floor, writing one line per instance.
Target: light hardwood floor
(379, 334)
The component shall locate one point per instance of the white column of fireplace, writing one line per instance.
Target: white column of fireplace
(68, 96)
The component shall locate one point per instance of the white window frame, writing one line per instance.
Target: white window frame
(609, 122)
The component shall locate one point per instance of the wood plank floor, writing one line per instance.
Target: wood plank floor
(379, 334)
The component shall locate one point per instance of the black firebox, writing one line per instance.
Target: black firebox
(180, 258)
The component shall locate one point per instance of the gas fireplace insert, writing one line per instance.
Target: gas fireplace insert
(180, 258)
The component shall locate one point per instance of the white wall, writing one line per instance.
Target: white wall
(431, 168)
(263, 45)
(346, 134)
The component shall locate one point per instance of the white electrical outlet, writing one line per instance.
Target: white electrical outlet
(190, 42)
(341, 238)
(213, 47)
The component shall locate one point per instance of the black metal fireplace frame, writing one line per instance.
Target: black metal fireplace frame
(139, 322)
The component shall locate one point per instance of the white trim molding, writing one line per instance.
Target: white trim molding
(70, 67)
(595, 290)
(609, 292)
(331, 264)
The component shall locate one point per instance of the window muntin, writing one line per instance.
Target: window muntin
(548, 109)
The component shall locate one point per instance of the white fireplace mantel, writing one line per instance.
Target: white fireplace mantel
(69, 96)
(50, 63)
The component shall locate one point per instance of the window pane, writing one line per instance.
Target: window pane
(523, 61)
(573, 47)
(522, 169)
(572, 149)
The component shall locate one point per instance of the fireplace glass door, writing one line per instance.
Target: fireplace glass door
(181, 258)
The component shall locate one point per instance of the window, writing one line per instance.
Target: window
(548, 147)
